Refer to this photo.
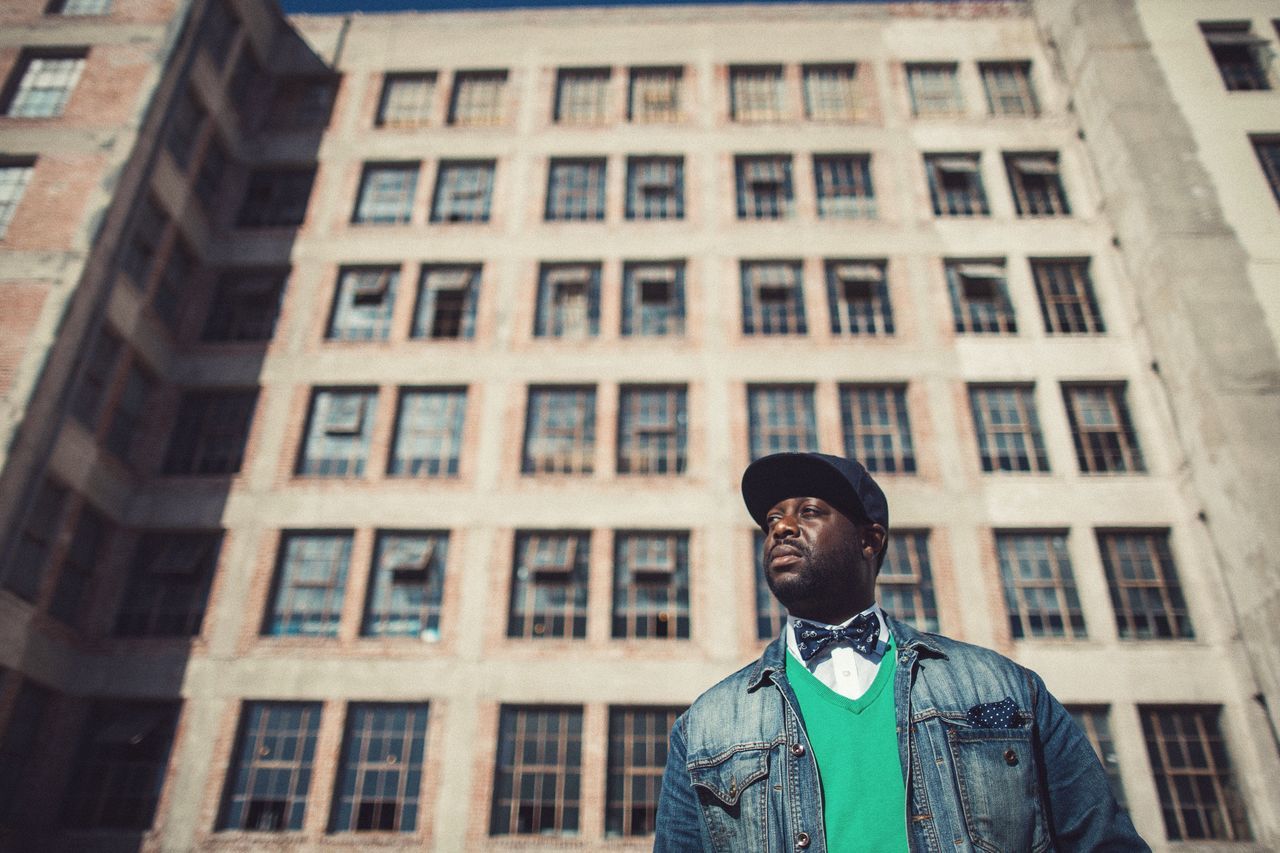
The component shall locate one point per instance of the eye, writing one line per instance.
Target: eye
(771, 519)
(810, 510)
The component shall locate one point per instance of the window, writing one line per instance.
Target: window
(169, 584)
(338, 432)
(770, 614)
(1067, 303)
(277, 198)
(1240, 55)
(637, 758)
(127, 419)
(14, 177)
(24, 740)
(271, 767)
(447, 302)
(538, 778)
(185, 121)
(428, 438)
(1105, 440)
(96, 373)
(764, 187)
(980, 302)
(549, 586)
(45, 81)
(935, 91)
(309, 585)
(781, 419)
(1008, 87)
(85, 552)
(955, 184)
(651, 586)
(478, 98)
(1094, 720)
(772, 298)
(844, 186)
(383, 755)
(408, 100)
(651, 430)
(654, 95)
(210, 432)
(568, 301)
(35, 542)
(80, 7)
(143, 244)
(1036, 184)
(245, 306)
(1193, 774)
(575, 190)
(1008, 429)
(830, 93)
(560, 431)
(208, 184)
(905, 582)
(169, 297)
(121, 765)
(858, 298)
(655, 188)
(407, 591)
(653, 299)
(1267, 149)
(362, 304)
(1039, 587)
(1144, 586)
(302, 103)
(877, 430)
(386, 194)
(756, 93)
(582, 96)
(463, 191)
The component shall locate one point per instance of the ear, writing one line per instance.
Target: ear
(871, 540)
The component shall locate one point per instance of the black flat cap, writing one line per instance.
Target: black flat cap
(841, 482)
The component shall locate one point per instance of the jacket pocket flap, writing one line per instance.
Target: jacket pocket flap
(725, 778)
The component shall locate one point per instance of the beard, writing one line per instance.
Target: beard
(826, 578)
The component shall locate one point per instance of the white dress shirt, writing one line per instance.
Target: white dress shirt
(839, 666)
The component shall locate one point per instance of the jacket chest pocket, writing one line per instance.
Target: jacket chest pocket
(733, 791)
(999, 792)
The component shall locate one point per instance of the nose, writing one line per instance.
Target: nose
(787, 525)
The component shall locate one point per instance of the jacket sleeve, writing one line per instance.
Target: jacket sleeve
(1083, 812)
(679, 824)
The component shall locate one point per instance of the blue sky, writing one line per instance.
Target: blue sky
(329, 6)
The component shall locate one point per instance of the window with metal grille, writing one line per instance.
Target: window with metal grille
(21, 748)
(1008, 87)
(568, 301)
(210, 432)
(447, 296)
(549, 585)
(125, 421)
(309, 585)
(955, 185)
(35, 543)
(1143, 581)
(1039, 587)
(756, 93)
(1096, 723)
(654, 95)
(1241, 56)
(339, 427)
(781, 418)
(582, 96)
(575, 190)
(186, 119)
(772, 298)
(560, 431)
(45, 80)
(770, 614)
(980, 303)
(877, 428)
(169, 296)
(1101, 428)
(14, 177)
(407, 590)
(934, 88)
(1008, 428)
(80, 7)
(537, 779)
(408, 100)
(858, 298)
(843, 183)
(89, 539)
(651, 585)
(120, 766)
(652, 429)
(271, 767)
(1194, 778)
(764, 187)
(169, 584)
(246, 304)
(383, 754)
(1036, 184)
(637, 758)
(362, 304)
(1267, 149)
(99, 368)
(655, 188)
(386, 194)
(138, 254)
(830, 93)
(301, 103)
(463, 191)
(478, 98)
(905, 582)
(1067, 302)
(277, 198)
(428, 439)
(653, 299)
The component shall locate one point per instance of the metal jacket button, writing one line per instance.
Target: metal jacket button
(1010, 757)
(797, 749)
(802, 840)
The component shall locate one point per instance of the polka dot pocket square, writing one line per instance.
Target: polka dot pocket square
(996, 715)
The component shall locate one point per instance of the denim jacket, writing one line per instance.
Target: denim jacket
(740, 775)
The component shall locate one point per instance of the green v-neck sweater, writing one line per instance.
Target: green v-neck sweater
(855, 742)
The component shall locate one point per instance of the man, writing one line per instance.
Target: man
(855, 732)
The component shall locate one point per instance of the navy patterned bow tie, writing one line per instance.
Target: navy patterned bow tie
(863, 633)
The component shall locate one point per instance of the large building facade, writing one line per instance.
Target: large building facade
(376, 390)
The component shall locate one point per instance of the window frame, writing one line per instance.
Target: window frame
(1023, 451)
(770, 429)
(251, 756)
(876, 424)
(1040, 595)
(550, 574)
(579, 430)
